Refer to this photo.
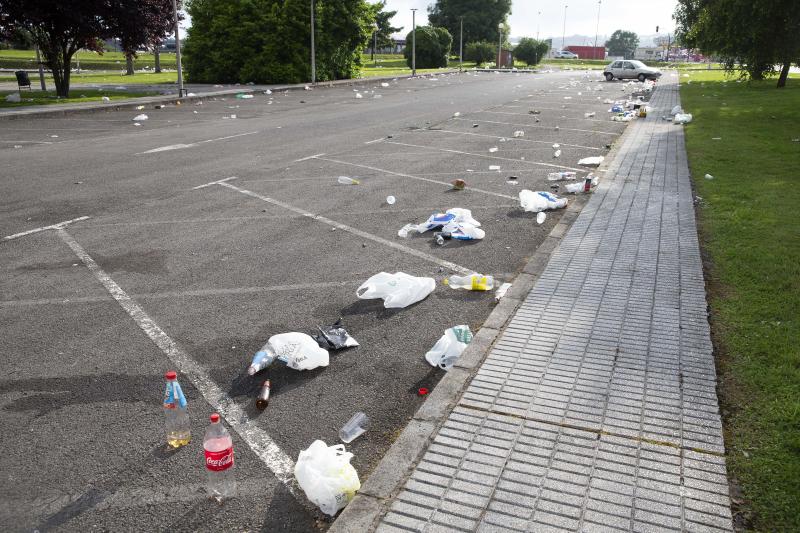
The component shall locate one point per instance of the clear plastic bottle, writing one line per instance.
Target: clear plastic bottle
(218, 447)
(473, 282)
(344, 180)
(176, 417)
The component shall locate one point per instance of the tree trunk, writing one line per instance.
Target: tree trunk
(157, 57)
(784, 74)
(129, 63)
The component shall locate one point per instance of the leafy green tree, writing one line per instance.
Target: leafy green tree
(480, 52)
(481, 17)
(268, 41)
(384, 21)
(138, 23)
(750, 36)
(432, 45)
(622, 43)
(530, 50)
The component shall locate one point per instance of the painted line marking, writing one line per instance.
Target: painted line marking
(510, 139)
(492, 157)
(413, 177)
(44, 228)
(255, 437)
(210, 183)
(350, 229)
(30, 142)
(309, 157)
(539, 127)
(191, 145)
(374, 141)
(528, 115)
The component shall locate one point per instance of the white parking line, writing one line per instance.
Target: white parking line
(44, 228)
(210, 183)
(515, 140)
(309, 157)
(374, 141)
(491, 156)
(539, 127)
(256, 438)
(338, 225)
(413, 177)
(528, 115)
(191, 145)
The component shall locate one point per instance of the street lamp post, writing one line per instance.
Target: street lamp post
(597, 30)
(538, 21)
(374, 43)
(414, 41)
(178, 48)
(461, 46)
(564, 30)
(313, 51)
(499, 44)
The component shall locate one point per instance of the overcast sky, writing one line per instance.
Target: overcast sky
(640, 16)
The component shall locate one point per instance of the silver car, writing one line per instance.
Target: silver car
(630, 70)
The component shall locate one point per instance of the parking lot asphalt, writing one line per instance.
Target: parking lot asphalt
(206, 235)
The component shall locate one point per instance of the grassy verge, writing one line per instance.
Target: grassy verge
(77, 95)
(750, 233)
(104, 78)
(87, 60)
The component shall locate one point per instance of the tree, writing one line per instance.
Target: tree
(622, 43)
(60, 29)
(139, 23)
(481, 17)
(432, 47)
(268, 41)
(530, 50)
(749, 36)
(480, 52)
(384, 21)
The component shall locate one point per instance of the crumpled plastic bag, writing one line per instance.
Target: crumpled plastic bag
(298, 350)
(326, 476)
(452, 218)
(398, 290)
(14, 98)
(535, 201)
(676, 110)
(591, 161)
(682, 118)
(449, 347)
(334, 337)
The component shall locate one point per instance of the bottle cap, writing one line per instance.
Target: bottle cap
(171, 375)
(214, 418)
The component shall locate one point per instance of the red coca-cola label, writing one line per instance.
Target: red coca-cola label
(218, 461)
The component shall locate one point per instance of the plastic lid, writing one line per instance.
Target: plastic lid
(171, 375)
(214, 418)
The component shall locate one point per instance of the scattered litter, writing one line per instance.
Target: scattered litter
(326, 476)
(594, 161)
(708, 177)
(473, 282)
(563, 175)
(262, 400)
(54, 136)
(233, 115)
(191, 94)
(297, 350)
(682, 118)
(139, 118)
(513, 180)
(589, 183)
(423, 391)
(458, 184)
(541, 216)
(494, 167)
(520, 133)
(378, 96)
(793, 140)
(457, 114)
(268, 91)
(14, 98)
(17, 146)
(344, 180)
(534, 112)
(159, 106)
(536, 201)
(397, 290)
(460, 231)
(493, 149)
(556, 146)
(720, 138)
(306, 88)
(354, 427)
(557, 154)
(676, 110)
(567, 98)
(359, 95)
(139, 107)
(384, 84)
(391, 200)
(136, 124)
(503, 289)
(243, 96)
(105, 99)
(334, 337)
(449, 347)
(589, 115)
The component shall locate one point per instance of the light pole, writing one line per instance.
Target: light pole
(178, 48)
(564, 31)
(538, 21)
(41, 68)
(499, 44)
(313, 51)
(461, 46)
(414, 41)
(596, 30)
(374, 42)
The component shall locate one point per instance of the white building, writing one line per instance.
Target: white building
(652, 53)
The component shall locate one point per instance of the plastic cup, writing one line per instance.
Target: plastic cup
(391, 200)
(354, 427)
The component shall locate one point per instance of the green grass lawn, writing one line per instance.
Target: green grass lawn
(103, 78)
(88, 60)
(750, 231)
(76, 95)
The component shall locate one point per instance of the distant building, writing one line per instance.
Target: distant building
(588, 52)
(651, 53)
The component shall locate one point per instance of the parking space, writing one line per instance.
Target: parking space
(207, 235)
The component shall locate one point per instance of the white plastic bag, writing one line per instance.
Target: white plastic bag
(449, 347)
(682, 118)
(535, 201)
(298, 350)
(580, 186)
(14, 98)
(398, 290)
(326, 476)
(139, 118)
(456, 215)
(676, 110)
(591, 161)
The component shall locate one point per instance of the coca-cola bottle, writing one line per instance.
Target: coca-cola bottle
(175, 412)
(218, 447)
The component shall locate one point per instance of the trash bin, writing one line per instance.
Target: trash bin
(23, 80)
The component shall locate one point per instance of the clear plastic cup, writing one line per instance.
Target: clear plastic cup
(354, 427)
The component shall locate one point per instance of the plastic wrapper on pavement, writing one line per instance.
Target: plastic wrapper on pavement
(326, 476)
(397, 290)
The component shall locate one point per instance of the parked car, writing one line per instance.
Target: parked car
(630, 70)
(565, 54)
